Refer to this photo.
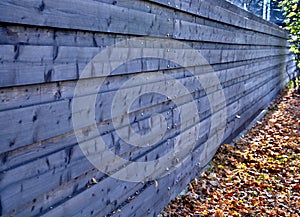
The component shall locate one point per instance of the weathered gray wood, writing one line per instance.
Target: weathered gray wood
(51, 175)
(68, 9)
(44, 46)
(63, 54)
(220, 14)
(18, 35)
(59, 114)
(22, 176)
(69, 63)
(10, 194)
(34, 124)
(227, 90)
(235, 124)
(135, 208)
(23, 96)
(88, 15)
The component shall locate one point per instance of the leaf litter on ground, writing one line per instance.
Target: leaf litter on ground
(257, 176)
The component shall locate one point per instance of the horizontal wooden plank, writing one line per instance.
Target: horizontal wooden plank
(218, 17)
(191, 31)
(120, 23)
(15, 34)
(65, 54)
(70, 61)
(90, 15)
(215, 12)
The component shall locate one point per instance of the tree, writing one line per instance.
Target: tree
(291, 11)
(267, 9)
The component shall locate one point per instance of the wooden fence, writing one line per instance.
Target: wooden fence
(45, 45)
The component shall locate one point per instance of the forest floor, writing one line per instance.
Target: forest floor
(257, 176)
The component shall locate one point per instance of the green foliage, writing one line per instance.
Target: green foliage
(291, 10)
(290, 84)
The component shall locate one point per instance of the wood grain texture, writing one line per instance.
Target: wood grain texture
(69, 63)
(45, 45)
